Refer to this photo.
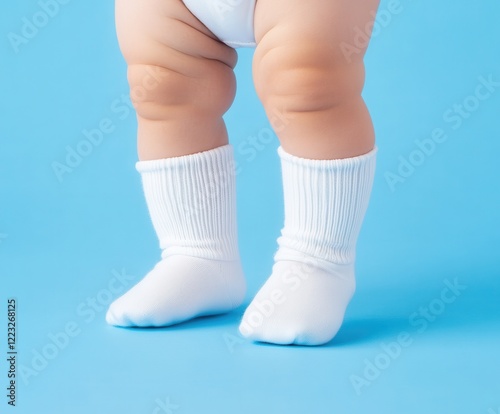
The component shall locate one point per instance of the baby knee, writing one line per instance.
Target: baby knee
(152, 88)
(305, 77)
(159, 92)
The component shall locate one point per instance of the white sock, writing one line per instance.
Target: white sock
(304, 300)
(191, 200)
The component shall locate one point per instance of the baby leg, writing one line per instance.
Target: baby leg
(328, 159)
(178, 72)
(181, 81)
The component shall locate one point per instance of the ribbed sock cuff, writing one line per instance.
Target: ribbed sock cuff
(325, 203)
(192, 203)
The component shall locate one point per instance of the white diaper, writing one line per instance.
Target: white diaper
(230, 20)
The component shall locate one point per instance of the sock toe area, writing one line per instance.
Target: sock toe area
(180, 288)
(301, 311)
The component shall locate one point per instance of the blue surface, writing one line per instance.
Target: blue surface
(62, 241)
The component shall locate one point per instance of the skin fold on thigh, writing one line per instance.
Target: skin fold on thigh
(300, 68)
(180, 110)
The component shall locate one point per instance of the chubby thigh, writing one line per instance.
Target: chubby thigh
(301, 71)
(178, 71)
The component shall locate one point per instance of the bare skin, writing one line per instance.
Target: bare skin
(182, 80)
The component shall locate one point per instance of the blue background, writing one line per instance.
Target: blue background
(63, 240)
